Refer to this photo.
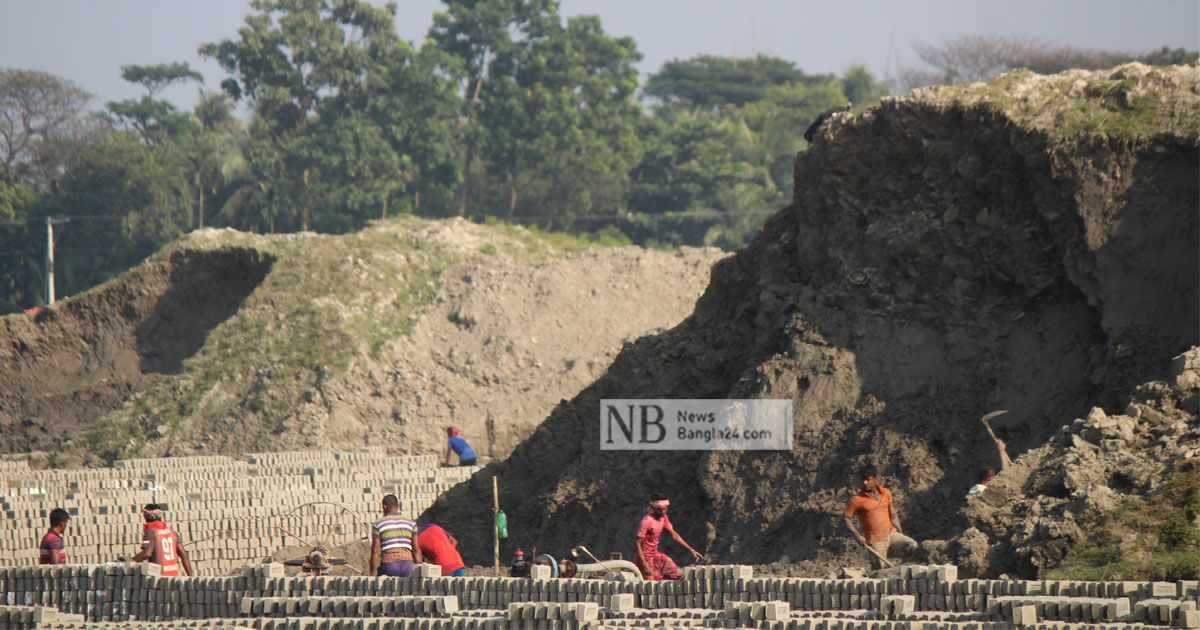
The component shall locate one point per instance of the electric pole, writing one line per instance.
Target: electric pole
(50, 223)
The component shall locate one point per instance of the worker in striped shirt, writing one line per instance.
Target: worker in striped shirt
(394, 542)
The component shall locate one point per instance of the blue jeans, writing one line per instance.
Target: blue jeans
(396, 569)
(456, 573)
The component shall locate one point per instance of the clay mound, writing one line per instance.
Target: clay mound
(86, 356)
(228, 342)
(1030, 517)
(1029, 244)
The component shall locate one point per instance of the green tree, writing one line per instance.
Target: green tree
(476, 33)
(684, 164)
(861, 87)
(356, 171)
(769, 133)
(127, 199)
(416, 110)
(212, 149)
(558, 122)
(20, 258)
(713, 83)
(153, 118)
(295, 61)
(43, 121)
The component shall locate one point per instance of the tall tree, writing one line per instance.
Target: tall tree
(151, 117)
(477, 33)
(20, 259)
(860, 86)
(558, 119)
(43, 120)
(128, 198)
(713, 83)
(769, 132)
(293, 60)
(685, 163)
(416, 106)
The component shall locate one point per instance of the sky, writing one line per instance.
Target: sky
(88, 41)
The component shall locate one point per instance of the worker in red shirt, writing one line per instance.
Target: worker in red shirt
(654, 564)
(160, 545)
(441, 548)
(878, 525)
(52, 549)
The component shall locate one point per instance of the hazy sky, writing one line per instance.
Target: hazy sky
(88, 41)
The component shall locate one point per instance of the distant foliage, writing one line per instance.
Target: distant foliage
(507, 110)
(970, 58)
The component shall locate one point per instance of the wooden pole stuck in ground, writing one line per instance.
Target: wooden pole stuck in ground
(495, 523)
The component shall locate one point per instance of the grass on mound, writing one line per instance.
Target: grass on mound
(1122, 103)
(1151, 538)
(326, 300)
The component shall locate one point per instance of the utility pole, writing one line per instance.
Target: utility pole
(50, 223)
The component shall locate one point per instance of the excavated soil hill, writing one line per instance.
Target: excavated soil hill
(229, 342)
(71, 364)
(1028, 244)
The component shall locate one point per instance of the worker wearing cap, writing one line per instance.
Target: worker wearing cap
(456, 444)
(160, 545)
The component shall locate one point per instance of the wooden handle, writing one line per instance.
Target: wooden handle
(886, 562)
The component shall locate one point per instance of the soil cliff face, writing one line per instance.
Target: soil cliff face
(1029, 244)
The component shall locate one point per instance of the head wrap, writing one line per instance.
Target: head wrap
(454, 432)
(663, 503)
(152, 515)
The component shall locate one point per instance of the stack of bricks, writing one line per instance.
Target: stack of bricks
(710, 596)
(231, 513)
(227, 512)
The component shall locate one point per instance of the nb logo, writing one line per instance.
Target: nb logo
(645, 421)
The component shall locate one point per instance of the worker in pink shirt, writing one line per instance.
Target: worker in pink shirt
(654, 564)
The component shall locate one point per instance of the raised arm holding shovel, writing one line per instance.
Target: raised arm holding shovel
(1001, 447)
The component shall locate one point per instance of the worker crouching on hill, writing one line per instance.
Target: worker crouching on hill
(441, 548)
(654, 564)
(877, 520)
(160, 545)
(457, 444)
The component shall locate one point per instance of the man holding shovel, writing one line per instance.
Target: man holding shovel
(878, 526)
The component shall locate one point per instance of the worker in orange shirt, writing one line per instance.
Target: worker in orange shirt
(878, 526)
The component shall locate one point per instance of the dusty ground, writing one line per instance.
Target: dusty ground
(1029, 245)
(502, 343)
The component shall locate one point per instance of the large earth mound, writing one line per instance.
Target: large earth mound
(1028, 244)
(228, 342)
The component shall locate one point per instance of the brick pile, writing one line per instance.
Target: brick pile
(911, 597)
(227, 511)
(230, 512)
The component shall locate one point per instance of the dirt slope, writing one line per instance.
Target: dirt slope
(229, 342)
(61, 370)
(1029, 244)
(1058, 494)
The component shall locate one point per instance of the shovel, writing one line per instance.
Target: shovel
(886, 562)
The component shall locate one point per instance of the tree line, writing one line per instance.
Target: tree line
(507, 109)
